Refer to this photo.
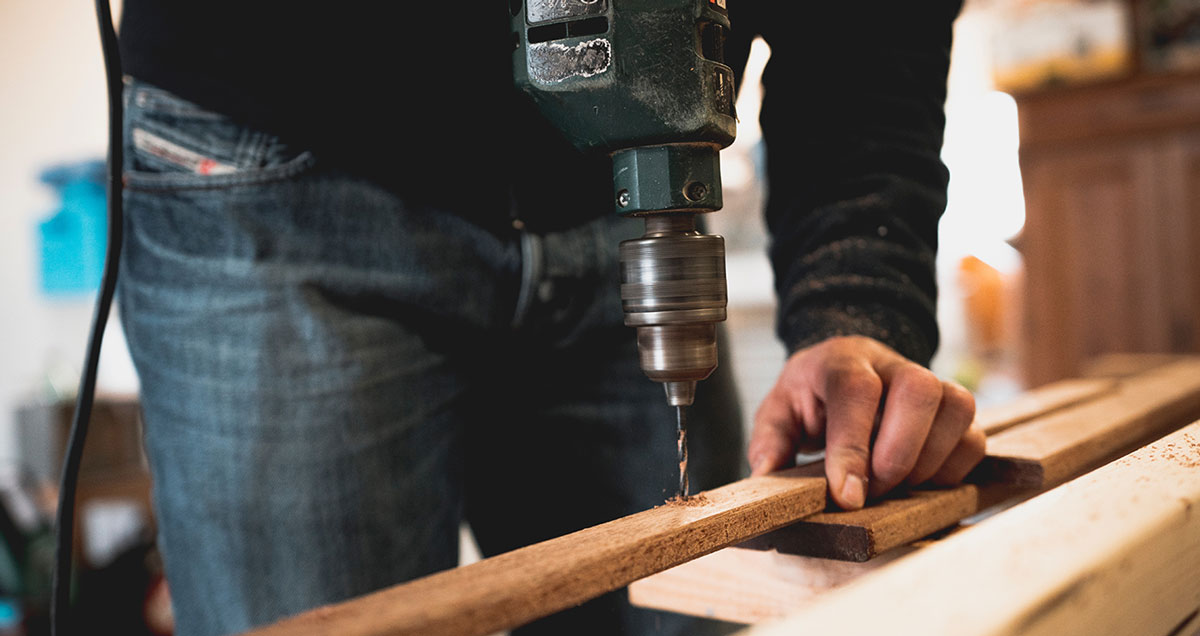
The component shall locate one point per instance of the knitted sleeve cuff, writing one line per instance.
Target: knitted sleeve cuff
(813, 323)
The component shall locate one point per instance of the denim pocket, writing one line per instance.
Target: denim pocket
(174, 144)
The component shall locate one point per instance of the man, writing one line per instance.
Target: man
(370, 294)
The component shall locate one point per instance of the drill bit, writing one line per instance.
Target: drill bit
(681, 426)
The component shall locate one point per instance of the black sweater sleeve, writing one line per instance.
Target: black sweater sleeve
(853, 120)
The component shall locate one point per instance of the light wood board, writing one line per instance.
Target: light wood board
(1041, 401)
(517, 587)
(1113, 552)
(747, 586)
(1050, 450)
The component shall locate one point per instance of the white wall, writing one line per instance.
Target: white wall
(52, 110)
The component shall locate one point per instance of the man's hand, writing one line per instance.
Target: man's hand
(831, 392)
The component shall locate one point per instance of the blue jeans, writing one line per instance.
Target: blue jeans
(334, 378)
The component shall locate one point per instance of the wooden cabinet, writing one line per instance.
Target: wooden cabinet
(1112, 233)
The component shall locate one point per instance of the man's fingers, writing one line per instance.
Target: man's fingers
(776, 434)
(953, 418)
(832, 390)
(969, 452)
(851, 391)
(914, 395)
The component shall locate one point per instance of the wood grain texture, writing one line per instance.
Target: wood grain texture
(1060, 446)
(747, 586)
(517, 587)
(1041, 401)
(1114, 552)
(860, 535)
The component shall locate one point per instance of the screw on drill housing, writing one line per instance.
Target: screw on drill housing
(695, 191)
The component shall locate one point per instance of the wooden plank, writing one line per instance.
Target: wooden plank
(1041, 401)
(1114, 552)
(517, 587)
(747, 586)
(1051, 450)
(861, 535)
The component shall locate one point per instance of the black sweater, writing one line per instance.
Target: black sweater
(418, 96)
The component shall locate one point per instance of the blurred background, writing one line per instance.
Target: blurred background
(1073, 227)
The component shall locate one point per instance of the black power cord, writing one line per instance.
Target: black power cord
(64, 528)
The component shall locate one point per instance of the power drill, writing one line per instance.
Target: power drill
(645, 81)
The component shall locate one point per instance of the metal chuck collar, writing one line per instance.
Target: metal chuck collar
(673, 291)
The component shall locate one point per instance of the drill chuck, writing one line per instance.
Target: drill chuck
(673, 291)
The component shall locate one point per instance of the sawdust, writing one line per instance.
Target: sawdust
(688, 502)
(1186, 453)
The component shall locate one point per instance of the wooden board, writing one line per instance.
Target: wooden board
(747, 586)
(861, 535)
(517, 587)
(1114, 552)
(1041, 401)
(1060, 446)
